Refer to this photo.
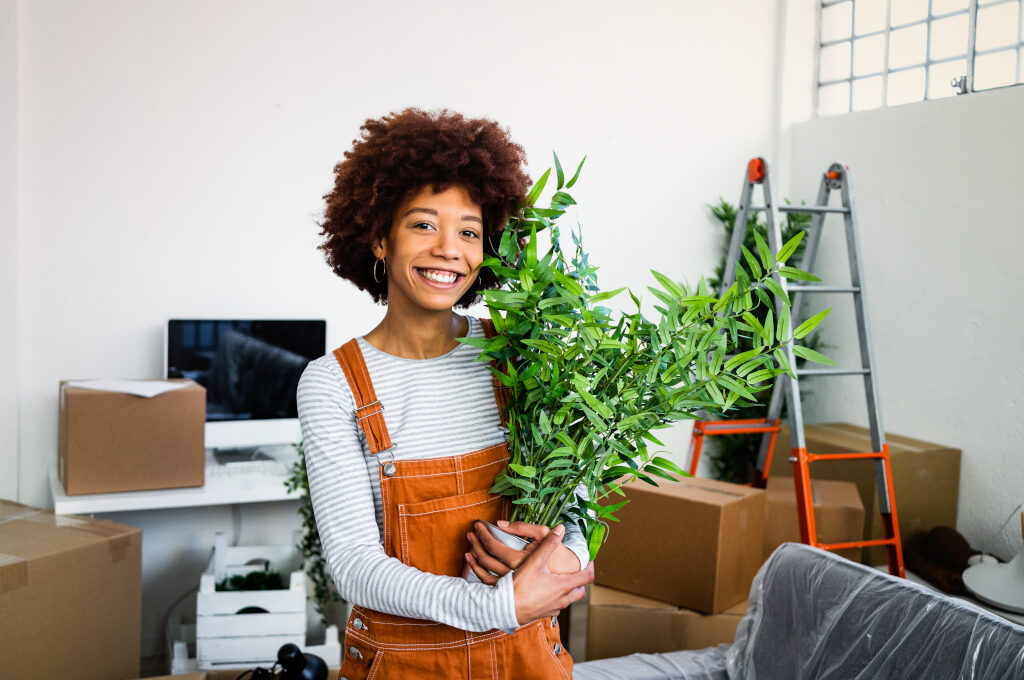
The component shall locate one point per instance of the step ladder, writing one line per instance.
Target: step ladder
(836, 178)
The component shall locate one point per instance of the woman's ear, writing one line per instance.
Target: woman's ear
(380, 249)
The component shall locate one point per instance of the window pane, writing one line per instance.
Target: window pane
(836, 21)
(905, 11)
(833, 99)
(905, 87)
(995, 70)
(868, 55)
(867, 93)
(868, 16)
(947, 6)
(997, 26)
(907, 46)
(941, 76)
(949, 37)
(835, 62)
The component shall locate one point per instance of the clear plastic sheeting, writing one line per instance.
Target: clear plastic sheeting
(701, 664)
(814, 615)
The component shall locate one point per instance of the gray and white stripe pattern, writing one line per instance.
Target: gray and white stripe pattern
(433, 408)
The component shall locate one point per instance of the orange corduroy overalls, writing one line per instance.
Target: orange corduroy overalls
(429, 506)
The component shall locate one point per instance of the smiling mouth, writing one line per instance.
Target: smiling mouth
(440, 277)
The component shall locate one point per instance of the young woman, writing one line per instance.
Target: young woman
(402, 429)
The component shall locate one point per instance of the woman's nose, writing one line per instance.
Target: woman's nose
(447, 243)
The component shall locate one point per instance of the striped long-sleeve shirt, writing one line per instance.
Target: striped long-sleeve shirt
(433, 408)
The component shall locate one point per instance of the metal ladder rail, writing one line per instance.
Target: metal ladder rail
(756, 173)
(837, 177)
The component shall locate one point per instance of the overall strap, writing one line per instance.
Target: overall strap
(502, 395)
(369, 411)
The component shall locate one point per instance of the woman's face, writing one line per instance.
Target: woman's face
(433, 249)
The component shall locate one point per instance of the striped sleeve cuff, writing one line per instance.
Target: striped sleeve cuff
(506, 593)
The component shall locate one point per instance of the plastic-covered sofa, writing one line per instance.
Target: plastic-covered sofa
(814, 615)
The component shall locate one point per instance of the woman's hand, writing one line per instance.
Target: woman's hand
(540, 593)
(488, 554)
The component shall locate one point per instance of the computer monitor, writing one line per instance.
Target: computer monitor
(250, 369)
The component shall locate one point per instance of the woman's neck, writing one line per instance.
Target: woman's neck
(420, 334)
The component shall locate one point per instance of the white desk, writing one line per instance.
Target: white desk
(220, 489)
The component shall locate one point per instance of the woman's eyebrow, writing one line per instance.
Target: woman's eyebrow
(431, 211)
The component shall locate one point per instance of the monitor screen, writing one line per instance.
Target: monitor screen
(250, 368)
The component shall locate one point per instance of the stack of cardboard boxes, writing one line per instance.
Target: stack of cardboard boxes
(676, 571)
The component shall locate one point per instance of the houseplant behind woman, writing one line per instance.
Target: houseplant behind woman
(401, 427)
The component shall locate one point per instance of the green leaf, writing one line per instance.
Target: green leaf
(531, 249)
(763, 250)
(742, 357)
(666, 464)
(535, 192)
(668, 284)
(811, 355)
(776, 289)
(524, 470)
(600, 297)
(782, 331)
(755, 268)
(577, 175)
(595, 539)
(809, 325)
(559, 175)
(797, 274)
(789, 248)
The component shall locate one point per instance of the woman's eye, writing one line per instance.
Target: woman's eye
(470, 233)
(423, 225)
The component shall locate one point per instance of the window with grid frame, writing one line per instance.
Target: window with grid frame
(875, 53)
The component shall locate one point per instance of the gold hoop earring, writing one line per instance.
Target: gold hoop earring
(375, 263)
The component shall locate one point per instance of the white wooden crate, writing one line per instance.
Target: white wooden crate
(180, 636)
(225, 637)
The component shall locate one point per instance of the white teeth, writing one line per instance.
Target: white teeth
(440, 277)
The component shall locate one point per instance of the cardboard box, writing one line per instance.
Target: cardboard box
(695, 543)
(70, 596)
(112, 441)
(926, 478)
(838, 514)
(621, 624)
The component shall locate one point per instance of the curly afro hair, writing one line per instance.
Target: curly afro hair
(400, 154)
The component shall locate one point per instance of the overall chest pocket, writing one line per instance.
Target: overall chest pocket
(432, 534)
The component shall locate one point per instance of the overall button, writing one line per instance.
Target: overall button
(558, 648)
(355, 653)
(554, 621)
(357, 624)
(389, 470)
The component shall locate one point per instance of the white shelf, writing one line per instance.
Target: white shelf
(220, 489)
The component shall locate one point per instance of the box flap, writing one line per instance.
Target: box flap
(29, 533)
(708, 491)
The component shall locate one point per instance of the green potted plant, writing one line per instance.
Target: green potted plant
(324, 591)
(589, 386)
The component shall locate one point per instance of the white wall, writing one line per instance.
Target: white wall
(938, 186)
(8, 249)
(175, 155)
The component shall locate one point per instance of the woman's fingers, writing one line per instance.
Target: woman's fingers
(510, 557)
(534, 532)
(481, 573)
(485, 559)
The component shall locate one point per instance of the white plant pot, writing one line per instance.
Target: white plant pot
(506, 538)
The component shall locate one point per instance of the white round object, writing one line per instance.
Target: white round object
(1000, 585)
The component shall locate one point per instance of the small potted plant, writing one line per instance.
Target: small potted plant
(590, 386)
